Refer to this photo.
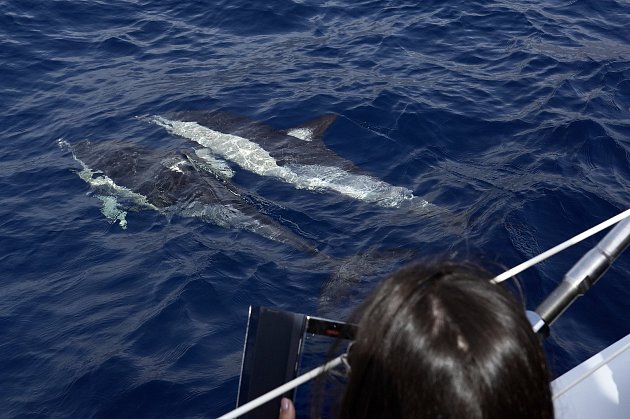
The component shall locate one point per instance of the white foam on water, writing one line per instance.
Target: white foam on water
(254, 158)
(112, 211)
(304, 134)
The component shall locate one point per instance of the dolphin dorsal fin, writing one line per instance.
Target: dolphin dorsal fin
(313, 129)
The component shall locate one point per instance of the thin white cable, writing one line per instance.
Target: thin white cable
(559, 248)
(283, 389)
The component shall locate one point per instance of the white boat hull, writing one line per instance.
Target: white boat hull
(597, 388)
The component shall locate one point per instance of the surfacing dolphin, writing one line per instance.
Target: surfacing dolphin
(297, 156)
(174, 182)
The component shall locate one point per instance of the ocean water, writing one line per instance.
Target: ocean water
(511, 118)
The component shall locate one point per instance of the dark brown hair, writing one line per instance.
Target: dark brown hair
(440, 341)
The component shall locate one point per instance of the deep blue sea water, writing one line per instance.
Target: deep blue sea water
(513, 117)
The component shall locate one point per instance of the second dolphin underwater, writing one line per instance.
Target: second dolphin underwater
(172, 182)
(297, 156)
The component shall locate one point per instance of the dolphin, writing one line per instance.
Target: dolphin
(177, 182)
(297, 156)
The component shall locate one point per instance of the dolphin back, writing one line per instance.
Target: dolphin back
(172, 182)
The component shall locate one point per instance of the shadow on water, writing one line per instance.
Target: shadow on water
(440, 232)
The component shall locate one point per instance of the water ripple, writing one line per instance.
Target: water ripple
(512, 116)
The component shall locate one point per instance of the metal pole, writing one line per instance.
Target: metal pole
(586, 272)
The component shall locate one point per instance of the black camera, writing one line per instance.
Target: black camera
(276, 342)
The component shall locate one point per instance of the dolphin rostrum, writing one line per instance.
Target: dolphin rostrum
(297, 156)
(173, 182)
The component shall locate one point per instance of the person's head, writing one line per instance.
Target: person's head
(441, 341)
